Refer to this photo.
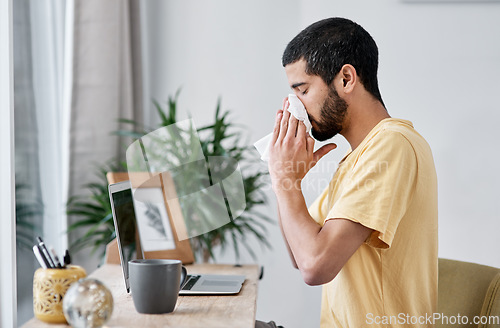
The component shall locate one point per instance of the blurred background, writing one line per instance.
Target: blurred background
(82, 65)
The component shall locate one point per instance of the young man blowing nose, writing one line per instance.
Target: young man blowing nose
(370, 238)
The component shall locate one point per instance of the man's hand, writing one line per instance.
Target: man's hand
(291, 153)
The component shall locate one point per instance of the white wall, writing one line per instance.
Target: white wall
(439, 67)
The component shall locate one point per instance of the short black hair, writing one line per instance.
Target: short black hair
(329, 44)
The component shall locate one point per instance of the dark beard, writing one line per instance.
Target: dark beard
(332, 116)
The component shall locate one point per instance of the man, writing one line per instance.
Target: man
(371, 237)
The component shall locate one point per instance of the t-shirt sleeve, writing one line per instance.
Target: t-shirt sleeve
(378, 190)
(316, 208)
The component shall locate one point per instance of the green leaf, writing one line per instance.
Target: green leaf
(161, 113)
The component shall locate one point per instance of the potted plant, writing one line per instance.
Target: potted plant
(220, 139)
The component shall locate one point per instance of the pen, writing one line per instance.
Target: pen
(67, 258)
(45, 252)
(56, 259)
(43, 262)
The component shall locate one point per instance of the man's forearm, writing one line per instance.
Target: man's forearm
(299, 229)
(292, 258)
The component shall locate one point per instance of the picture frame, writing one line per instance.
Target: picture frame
(157, 185)
(449, 1)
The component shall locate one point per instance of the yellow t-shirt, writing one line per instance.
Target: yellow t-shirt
(388, 183)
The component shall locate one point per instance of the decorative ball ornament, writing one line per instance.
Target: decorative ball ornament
(88, 303)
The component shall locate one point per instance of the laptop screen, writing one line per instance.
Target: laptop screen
(122, 206)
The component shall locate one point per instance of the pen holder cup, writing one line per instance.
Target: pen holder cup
(49, 287)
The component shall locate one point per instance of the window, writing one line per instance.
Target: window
(7, 248)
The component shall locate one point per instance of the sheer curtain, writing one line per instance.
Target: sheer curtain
(77, 69)
(39, 155)
(107, 79)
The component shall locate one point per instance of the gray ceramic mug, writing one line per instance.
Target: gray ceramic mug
(155, 284)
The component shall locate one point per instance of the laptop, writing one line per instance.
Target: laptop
(122, 206)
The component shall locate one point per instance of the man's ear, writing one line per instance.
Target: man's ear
(348, 77)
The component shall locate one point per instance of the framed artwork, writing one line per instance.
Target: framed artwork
(155, 230)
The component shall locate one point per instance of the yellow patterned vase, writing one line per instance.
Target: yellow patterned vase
(49, 287)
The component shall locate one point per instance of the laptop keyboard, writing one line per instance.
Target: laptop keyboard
(191, 280)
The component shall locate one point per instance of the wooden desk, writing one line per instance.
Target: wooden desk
(190, 311)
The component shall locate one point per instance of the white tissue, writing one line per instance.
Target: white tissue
(298, 110)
